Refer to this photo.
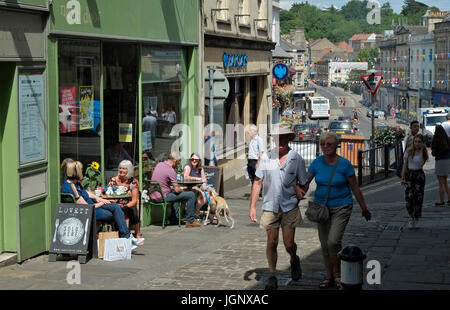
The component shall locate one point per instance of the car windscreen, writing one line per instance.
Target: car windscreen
(339, 125)
(433, 120)
(301, 127)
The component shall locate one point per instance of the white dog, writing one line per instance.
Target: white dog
(217, 207)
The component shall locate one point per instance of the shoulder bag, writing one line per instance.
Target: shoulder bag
(318, 212)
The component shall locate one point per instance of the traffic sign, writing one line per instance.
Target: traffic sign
(372, 82)
(221, 87)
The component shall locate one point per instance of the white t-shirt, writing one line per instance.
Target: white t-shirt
(446, 126)
(414, 162)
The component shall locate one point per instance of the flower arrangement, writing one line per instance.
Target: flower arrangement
(282, 95)
(389, 135)
(287, 120)
(92, 178)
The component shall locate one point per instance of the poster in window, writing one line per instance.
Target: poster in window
(115, 74)
(86, 107)
(32, 142)
(67, 109)
(125, 132)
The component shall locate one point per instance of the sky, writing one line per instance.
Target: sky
(443, 5)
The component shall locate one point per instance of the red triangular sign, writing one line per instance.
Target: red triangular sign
(372, 82)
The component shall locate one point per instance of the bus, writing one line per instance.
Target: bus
(318, 107)
(299, 97)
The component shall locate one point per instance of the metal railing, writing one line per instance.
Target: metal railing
(309, 150)
(375, 164)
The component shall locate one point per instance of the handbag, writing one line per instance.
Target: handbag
(318, 212)
(102, 236)
(117, 249)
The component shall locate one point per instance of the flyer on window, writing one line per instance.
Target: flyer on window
(67, 109)
(86, 107)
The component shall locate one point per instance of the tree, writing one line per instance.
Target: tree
(412, 7)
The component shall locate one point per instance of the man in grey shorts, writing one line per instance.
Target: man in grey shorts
(284, 175)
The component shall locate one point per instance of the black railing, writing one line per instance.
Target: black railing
(375, 164)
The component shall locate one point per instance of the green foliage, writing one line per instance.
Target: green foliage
(92, 178)
(340, 25)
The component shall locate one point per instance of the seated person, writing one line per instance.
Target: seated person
(165, 174)
(104, 209)
(195, 172)
(129, 206)
(115, 154)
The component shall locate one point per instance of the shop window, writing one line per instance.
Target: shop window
(161, 99)
(79, 100)
(120, 107)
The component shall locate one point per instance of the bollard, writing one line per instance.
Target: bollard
(351, 267)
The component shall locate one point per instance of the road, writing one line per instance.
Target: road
(352, 101)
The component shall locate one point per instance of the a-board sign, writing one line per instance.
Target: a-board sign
(214, 177)
(74, 231)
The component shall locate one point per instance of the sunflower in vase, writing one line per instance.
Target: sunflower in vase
(92, 178)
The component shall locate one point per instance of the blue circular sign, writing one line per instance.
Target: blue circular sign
(280, 71)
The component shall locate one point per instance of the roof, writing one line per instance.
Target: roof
(344, 45)
(360, 37)
(287, 46)
(278, 52)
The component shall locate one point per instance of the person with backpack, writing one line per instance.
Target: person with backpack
(440, 149)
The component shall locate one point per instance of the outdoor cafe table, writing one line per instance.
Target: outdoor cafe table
(115, 196)
(189, 183)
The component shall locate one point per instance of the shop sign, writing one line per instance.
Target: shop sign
(280, 71)
(74, 231)
(234, 60)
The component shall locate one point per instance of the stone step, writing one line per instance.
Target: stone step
(7, 259)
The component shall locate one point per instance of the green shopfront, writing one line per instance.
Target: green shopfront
(109, 62)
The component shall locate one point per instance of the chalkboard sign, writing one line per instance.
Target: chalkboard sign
(74, 232)
(214, 177)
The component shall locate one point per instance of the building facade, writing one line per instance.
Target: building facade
(441, 91)
(99, 68)
(237, 38)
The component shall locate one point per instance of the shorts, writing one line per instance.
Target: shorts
(290, 219)
(442, 167)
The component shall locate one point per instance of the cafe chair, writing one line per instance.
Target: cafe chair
(68, 198)
(154, 186)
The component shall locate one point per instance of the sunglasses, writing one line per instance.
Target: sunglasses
(194, 159)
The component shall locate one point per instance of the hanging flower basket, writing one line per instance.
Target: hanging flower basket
(282, 95)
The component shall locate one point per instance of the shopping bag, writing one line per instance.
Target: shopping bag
(102, 236)
(117, 249)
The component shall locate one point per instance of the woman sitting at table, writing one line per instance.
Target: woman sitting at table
(193, 171)
(105, 210)
(129, 205)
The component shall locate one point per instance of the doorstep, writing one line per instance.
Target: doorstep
(7, 259)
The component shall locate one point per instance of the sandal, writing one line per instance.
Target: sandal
(327, 283)
(337, 281)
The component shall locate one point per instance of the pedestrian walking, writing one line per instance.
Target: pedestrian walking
(446, 124)
(255, 150)
(343, 102)
(414, 179)
(336, 180)
(284, 175)
(440, 149)
(303, 116)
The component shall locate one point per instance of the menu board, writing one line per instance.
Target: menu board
(32, 136)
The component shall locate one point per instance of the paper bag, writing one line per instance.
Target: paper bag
(117, 249)
(102, 236)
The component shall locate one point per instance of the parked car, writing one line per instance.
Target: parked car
(377, 113)
(306, 131)
(341, 128)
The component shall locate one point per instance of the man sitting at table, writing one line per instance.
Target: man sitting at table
(165, 174)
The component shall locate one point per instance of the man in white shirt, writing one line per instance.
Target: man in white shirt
(284, 175)
(446, 125)
(255, 150)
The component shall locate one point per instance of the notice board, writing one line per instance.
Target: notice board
(214, 177)
(74, 231)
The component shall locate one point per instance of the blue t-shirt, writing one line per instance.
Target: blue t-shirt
(76, 190)
(340, 191)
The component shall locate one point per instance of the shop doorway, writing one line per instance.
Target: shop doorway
(120, 109)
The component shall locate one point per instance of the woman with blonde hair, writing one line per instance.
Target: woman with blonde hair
(193, 171)
(104, 209)
(129, 206)
(414, 178)
(336, 180)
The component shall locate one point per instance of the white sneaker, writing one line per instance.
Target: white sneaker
(410, 224)
(416, 224)
(133, 247)
(136, 241)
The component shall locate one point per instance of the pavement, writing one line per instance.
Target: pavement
(220, 258)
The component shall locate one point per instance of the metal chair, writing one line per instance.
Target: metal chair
(154, 186)
(68, 198)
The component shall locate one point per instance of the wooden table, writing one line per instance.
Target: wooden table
(115, 196)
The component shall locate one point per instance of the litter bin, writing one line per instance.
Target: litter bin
(351, 267)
